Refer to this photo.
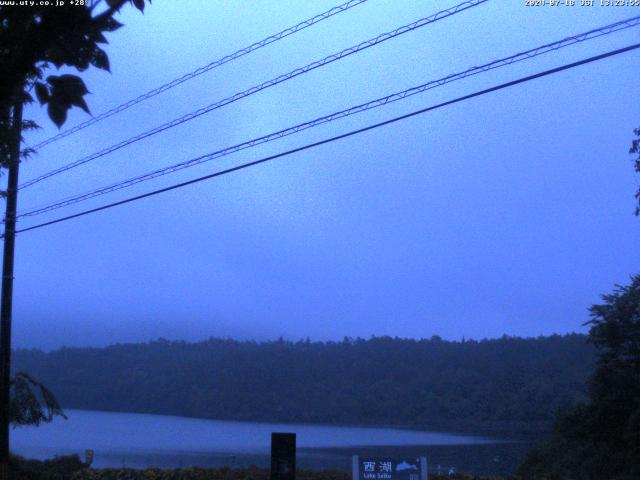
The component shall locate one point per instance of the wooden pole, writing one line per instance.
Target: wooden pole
(7, 288)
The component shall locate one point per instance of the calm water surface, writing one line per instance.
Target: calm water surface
(139, 440)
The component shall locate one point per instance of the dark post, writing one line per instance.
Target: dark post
(283, 456)
(7, 288)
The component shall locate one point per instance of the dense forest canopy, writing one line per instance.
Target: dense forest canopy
(507, 385)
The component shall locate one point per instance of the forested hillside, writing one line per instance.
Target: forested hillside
(508, 385)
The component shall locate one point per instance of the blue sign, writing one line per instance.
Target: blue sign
(384, 468)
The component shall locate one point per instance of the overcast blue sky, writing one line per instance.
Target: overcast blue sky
(506, 214)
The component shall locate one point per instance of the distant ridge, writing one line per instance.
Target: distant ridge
(508, 386)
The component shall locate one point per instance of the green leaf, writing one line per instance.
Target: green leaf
(57, 113)
(30, 125)
(111, 25)
(79, 102)
(67, 86)
(100, 60)
(27, 153)
(66, 90)
(42, 92)
(139, 4)
(100, 38)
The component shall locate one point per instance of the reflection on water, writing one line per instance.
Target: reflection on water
(138, 440)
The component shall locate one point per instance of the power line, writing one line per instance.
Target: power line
(342, 136)
(282, 78)
(199, 71)
(550, 47)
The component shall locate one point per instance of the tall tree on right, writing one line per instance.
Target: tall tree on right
(600, 439)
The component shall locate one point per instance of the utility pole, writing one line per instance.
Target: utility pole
(7, 287)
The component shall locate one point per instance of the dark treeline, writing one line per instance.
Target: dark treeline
(507, 385)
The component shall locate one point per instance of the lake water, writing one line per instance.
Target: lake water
(139, 440)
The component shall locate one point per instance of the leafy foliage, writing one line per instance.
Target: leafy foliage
(31, 402)
(635, 148)
(60, 94)
(504, 385)
(59, 468)
(601, 439)
(34, 37)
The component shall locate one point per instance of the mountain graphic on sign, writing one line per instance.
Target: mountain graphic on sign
(405, 466)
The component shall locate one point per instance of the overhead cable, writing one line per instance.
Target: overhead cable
(282, 78)
(339, 137)
(206, 68)
(550, 47)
